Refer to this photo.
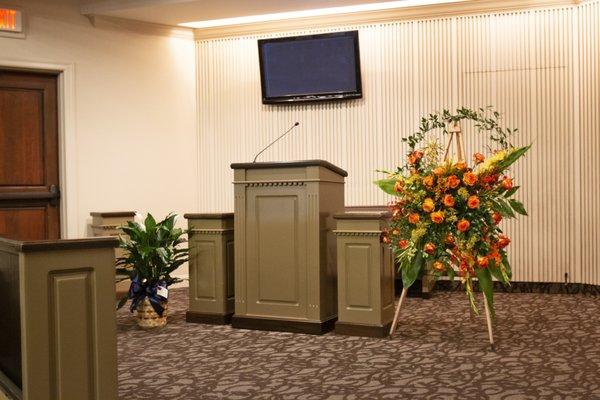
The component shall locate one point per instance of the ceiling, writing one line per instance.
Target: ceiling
(174, 12)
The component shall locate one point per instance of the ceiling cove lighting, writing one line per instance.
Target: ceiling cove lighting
(316, 12)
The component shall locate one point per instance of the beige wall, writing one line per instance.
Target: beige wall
(134, 108)
(540, 67)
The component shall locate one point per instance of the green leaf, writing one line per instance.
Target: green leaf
(485, 283)
(513, 157)
(387, 185)
(517, 206)
(512, 191)
(496, 271)
(411, 272)
(507, 267)
(451, 273)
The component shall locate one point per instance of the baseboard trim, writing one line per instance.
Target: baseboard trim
(350, 329)
(527, 287)
(283, 325)
(196, 317)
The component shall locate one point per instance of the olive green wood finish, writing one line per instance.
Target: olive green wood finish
(211, 293)
(365, 275)
(285, 256)
(67, 317)
(109, 224)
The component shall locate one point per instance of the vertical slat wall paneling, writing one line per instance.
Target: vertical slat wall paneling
(539, 67)
(521, 64)
(588, 17)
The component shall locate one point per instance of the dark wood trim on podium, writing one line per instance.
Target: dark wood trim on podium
(283, 325)
(291, 164)
(344, 328)
(208, 318)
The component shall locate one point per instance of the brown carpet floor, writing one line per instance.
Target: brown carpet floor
(548, 347)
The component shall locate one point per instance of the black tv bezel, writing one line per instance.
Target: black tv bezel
(356, 94)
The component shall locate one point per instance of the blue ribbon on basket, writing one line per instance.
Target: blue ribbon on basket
(138, 291)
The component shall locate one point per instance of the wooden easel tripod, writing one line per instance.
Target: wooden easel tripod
(455, 131)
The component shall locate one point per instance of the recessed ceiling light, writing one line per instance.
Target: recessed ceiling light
(317, 12)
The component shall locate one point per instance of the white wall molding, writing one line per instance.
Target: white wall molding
(67, 139)
(140, 27)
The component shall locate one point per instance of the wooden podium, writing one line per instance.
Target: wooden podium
(285, 252)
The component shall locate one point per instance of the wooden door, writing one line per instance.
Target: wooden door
(29, 187)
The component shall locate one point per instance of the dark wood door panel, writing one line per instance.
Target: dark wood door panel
(23, 223)
(21, 137)
(29, 184)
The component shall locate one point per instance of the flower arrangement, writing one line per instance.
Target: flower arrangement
(446, 214)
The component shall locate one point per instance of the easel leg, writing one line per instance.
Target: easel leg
(397, 314)
(488, 318)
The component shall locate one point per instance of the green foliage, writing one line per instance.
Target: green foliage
(387, 185)
(152, 250)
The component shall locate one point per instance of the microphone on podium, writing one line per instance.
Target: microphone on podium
(276, 140)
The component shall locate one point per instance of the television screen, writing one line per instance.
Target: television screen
(310, 68)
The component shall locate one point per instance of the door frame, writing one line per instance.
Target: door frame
(67, 139)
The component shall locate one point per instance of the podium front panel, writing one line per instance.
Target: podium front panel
(276, 240)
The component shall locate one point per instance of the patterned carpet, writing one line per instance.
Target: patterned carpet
(548, 348)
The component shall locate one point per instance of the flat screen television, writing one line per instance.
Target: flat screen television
(310, 68)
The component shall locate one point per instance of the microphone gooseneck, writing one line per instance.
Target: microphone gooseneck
(276, 140)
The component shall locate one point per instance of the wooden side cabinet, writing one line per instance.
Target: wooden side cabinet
(365, 275)
(211, 293)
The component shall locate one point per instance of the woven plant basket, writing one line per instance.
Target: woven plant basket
(147, 318)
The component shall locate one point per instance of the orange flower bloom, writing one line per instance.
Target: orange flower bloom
(428, 181)
(385, 238)
(428, 205)
(473, 202)
(507, 183)
(415, 157)
(463, 225)
(398, 186)
(503, 241)
(403, 243)
(461, 165)
(479, 158)
(439, 266)
(482, 262)
(449, 239)
(452, 181)
(439, 171)
(413, 218)
(470, 178)
(496, 217)
(429, 248)
(448, 200)
(495, 255)
(437, 217)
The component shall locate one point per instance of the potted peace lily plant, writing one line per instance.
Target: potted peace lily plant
(151, 253)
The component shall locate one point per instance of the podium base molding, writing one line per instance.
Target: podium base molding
(283, 325)
(208, 318)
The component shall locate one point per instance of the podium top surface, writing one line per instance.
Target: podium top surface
(290, 164)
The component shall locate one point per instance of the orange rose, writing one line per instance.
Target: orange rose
(470, 178)
(428, 181)
(439, 266)
(507, 183)
(496, 217)
(473, 202)
(495, 255)
(479, 158)
(437, 217)
(403, 243)
(413, 218)
(415, 157)
(448, 200)
(449, 239)
(503, 241)
(428, 205)
(482, 262)
(398, 186)
(429, 248)
(461, 165)
(439, 171)
(463, 225)
(452, 181)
